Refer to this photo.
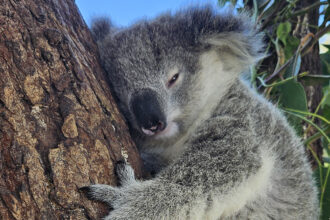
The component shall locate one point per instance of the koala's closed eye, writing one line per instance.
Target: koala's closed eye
(173, 79)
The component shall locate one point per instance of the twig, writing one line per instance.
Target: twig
(270, 18)
(281, 82)
(323, 188)
(304, 10)
(304, 50)
(316, 38)
(316, 136)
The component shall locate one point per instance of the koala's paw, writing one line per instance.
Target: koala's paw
(125, 174)
(109, 194)
(101, 192)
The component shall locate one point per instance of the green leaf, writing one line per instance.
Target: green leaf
(326, 111)
(296, 65)
(325, 61)
(291, 46)
(283, 30)
(309, 122)
(322, 171)
(292, 95)
(309, 114)
(326, 96)
(325, 106)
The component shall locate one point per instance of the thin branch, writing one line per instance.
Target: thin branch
(279, 70)
(308, 114)
(315, 112)
(305, 10)
(323, 188)
(304, 50)
(282, 81)
(316, 136)
(315, 40)
(270, 17)
(310, 122)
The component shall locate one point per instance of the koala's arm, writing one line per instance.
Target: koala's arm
(151, 199)
(212, 168)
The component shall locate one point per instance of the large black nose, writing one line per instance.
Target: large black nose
(148, 112)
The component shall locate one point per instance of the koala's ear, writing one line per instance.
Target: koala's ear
(239, 46)
(101, 27)
(228, 32)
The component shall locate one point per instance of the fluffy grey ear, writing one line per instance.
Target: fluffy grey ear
(247, 48)
(100, 28)
(241, 39)
(228, 31)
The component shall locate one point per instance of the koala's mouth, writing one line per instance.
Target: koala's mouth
(150, 132)
(170, 130)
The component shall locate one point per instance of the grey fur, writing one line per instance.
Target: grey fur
(232, 155)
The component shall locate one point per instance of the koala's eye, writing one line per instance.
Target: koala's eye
(174, 78)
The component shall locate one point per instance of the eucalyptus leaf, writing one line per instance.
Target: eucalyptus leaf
(326, 111)
(326, 194)
(325, 61)
(283, 31)
(296, 65)
(291, 46)
(292, 95)
(326, 96)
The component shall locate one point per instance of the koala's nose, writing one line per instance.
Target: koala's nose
(148, 112)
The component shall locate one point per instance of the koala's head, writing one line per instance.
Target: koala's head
(168, 72)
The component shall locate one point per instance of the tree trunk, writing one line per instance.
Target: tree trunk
(59, 126)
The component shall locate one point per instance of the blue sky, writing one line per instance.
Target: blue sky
(124, 13)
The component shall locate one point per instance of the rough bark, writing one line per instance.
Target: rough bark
(59, 126)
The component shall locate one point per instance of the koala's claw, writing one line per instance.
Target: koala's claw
(125, 173)
(86, 190)
(109, 194)
(101, 192)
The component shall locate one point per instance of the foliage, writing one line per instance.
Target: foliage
(280, 78)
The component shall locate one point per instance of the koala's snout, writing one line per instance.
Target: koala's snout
(147, 111)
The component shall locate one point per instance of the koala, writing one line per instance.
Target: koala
(217, 149)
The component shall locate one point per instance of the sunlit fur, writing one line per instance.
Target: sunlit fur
(227, 153)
